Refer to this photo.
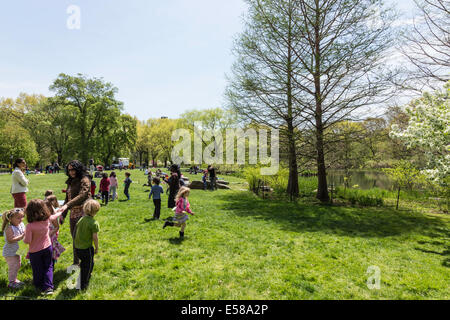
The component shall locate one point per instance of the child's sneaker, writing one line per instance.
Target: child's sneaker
(168, 223)
(48, 292)
(13, 285)
(19, 283)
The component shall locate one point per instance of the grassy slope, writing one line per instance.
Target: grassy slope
(238, 246)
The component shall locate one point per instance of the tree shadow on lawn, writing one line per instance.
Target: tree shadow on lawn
(340, 220)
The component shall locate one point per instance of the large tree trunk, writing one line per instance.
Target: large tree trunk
(322, 188)
(292, 188)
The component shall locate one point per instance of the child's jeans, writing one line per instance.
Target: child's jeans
(157, 203)
(13, 267)
(105, 196)
(125, 191)
(86, 265)
(113, 191)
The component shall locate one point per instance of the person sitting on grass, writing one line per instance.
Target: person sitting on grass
(86, 233)
(156, 192)
(181, 210)
(14, 231)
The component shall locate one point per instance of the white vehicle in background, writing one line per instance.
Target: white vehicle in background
(125, 162)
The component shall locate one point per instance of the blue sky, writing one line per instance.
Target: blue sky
(165, 57)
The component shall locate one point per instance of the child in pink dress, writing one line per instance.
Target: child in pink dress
(182, 208)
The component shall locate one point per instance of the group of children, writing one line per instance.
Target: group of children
(41, 232)
(109, 185)
(41, 235)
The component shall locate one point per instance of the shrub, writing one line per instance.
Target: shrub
(367, 198)
(253, 176)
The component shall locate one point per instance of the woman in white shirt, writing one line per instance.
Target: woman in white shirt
(19, 184)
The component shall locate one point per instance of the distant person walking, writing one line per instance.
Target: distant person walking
(157, 190)
(113, 186)
(19, 184)
(78, 188)
(104, 188)
(126, 184)
(91, 167)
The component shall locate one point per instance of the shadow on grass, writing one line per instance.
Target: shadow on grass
(176, 240)
(346, 221)
(27, 292)
(66, 294)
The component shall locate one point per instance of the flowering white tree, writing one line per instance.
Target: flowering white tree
(429, 129)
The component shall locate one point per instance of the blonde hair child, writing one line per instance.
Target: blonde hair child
(182, 208)
(86, 234)
(14, 231)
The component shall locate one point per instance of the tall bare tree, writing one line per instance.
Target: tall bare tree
(311, 64)
(262, 88)
(427, 46)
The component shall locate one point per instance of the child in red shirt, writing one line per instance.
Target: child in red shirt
(104, 188)
(93, 186)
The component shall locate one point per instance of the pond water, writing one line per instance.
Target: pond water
(365, 179)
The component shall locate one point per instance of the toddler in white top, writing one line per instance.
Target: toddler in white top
(14, 231)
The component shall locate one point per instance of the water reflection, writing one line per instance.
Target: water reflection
(365, 179)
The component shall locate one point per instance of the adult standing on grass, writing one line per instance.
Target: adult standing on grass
(19, 184)
(77, 193)
(174, 185)
(212, 176)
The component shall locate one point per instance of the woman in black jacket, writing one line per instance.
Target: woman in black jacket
(174, 185)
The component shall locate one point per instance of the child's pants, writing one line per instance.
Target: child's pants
(13, 267)
(113, 191)
(42, 266)
(73, 230)
(86, 265)
(157, 203)
(105, 196)
(126, 193)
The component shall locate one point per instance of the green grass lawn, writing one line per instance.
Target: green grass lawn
(239, 246)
